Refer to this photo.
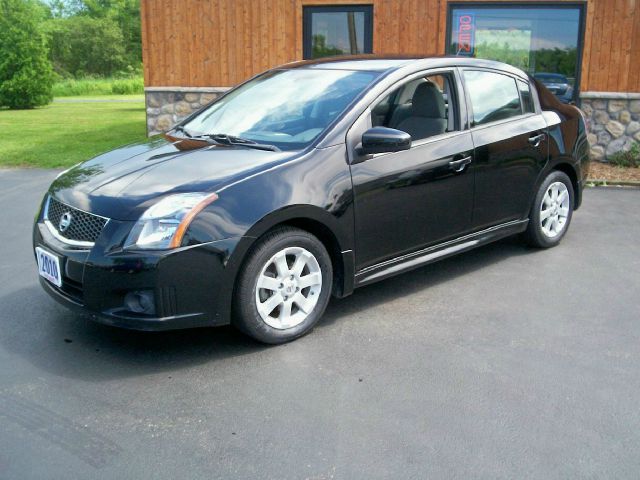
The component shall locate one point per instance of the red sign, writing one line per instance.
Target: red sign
(466, 30)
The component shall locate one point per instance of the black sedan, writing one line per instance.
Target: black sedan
(307, 181)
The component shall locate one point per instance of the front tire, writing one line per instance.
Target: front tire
(284, 286)
(551, 212)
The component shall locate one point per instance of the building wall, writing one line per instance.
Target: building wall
(208, 44)
(614, 122)
(167, 106)
(223, 42)
(219, 43)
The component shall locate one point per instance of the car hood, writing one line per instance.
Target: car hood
(122, 183)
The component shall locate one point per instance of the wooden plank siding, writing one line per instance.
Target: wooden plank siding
(217, 43)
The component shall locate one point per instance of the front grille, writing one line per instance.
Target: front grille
(82, 227)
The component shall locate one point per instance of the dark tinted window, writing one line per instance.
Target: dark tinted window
(423, 107)
(493, 96)
(337, 30)
(527, 99)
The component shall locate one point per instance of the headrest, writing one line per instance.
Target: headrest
(428, 101)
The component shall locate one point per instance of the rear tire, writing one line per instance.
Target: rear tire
(551, 211)
(284, 286)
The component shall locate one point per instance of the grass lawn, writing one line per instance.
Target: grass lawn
(65, 133)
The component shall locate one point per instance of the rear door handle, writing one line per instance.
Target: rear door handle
(535, 140)
(458, 165)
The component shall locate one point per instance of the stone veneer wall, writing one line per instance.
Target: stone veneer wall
(166, 106)
(614, 119)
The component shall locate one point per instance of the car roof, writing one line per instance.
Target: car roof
(366, 62)
(389, 63)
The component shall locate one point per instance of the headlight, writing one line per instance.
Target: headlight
(164, 224)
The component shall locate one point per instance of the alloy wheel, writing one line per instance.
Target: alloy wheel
(554, 209)
(288, 288)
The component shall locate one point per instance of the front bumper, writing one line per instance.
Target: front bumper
(122, 320)
(190, 286)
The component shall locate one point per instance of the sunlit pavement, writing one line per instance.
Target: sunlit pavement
(504, 362)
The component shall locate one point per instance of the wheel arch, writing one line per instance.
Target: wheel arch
(565, 166)
(569, 170)
(316, 221)
(330, 242)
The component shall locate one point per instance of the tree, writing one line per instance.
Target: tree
(109, 30)
(26, 75)
(320, 49)
(82, 45)
(126, 13)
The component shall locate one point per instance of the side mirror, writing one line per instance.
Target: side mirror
(383, 140)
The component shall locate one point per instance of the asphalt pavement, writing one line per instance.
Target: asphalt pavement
(504, 362)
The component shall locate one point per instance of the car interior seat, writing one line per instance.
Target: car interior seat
(427, 114)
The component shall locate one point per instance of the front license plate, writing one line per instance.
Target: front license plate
(49, 266)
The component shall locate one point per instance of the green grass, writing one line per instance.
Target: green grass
(98, 86)
(63, 134)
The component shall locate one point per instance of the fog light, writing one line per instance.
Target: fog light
(140, 301)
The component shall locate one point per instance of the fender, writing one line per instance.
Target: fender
(568, 145)
(310, 218)
(563, 154)
(565, 164)
(313, 193)
(320, 223)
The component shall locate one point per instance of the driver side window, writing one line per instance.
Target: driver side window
(423, 107)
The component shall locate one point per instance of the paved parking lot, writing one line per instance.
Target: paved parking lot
(500, 363)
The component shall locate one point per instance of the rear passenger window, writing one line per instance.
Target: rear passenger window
(493, 96)
(525, 94)
(423, 107)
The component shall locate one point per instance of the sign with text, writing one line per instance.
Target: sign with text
(465, 33)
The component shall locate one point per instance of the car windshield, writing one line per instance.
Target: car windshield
(285, 108)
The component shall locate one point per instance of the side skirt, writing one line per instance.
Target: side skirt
(434, 253)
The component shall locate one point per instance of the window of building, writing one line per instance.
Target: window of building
(493, 96)
(337, 30)
(543, 40)
(423, 107)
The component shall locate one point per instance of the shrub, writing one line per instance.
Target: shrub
(130, 71)
(98, 86)
(83, 86)
(127, 87)
(26, 75)
(629, 158)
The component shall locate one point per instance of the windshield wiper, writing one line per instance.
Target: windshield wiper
(224, 139)
(180, 128)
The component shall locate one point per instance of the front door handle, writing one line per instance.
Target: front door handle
(458, 165)
(536, 140)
